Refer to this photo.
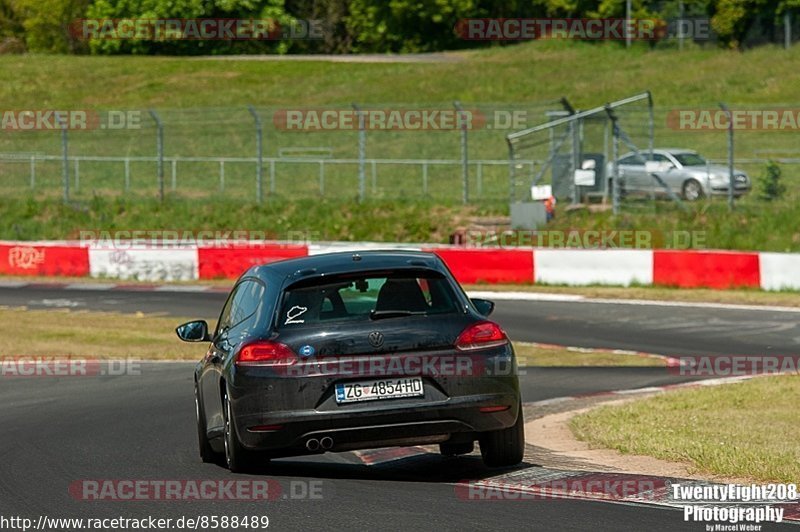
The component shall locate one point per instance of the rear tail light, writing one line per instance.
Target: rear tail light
(266, 354)
(481, 335)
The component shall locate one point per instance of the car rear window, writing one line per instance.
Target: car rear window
(366, 297)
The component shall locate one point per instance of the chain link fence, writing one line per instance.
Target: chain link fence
(448, 152)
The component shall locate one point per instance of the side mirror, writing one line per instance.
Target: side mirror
(193, 331)
(484, 306)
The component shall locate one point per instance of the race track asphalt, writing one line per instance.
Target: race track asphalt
(59, 431)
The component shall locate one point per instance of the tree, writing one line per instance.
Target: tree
(188, 9)
(11, 29)
(47, 24)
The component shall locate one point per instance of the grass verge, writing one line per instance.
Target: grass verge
(743, 296)
(311, 219)
(95, 335)
(534, 355)
(107, 335)
(743, 430)
(751, 227)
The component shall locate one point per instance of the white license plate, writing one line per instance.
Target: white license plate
(353, 392)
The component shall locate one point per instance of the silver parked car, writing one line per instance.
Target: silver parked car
(686, 173)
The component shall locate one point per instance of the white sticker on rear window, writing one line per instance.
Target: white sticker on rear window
(294, 313)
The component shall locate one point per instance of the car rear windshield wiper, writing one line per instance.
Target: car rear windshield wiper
(381, 314)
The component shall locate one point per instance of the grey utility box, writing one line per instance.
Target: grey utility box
(528, 215)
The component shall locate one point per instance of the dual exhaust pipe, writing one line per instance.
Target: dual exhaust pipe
(325, 443)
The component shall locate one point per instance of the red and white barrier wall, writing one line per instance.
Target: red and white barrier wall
(680, 268)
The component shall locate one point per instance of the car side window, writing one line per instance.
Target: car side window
(242, 304)
(631, 160)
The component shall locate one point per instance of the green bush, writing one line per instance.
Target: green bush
(769, 183)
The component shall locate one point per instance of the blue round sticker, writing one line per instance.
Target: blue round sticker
(306, 351)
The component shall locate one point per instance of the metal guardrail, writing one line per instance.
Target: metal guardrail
(174, 161)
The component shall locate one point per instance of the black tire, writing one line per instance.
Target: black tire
(207, 453)
(692, 190)
(506, 447)
(455, 449)
(237, 458)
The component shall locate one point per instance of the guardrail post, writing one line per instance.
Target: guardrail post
(464, 155)
(362, 152)
(65, 157)
(259, 154)
(159, 152)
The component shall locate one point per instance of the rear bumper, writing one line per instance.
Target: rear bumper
(412, 421)
(299, 408)
(402, 426)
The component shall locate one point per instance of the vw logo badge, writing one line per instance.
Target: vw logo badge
(376, 339)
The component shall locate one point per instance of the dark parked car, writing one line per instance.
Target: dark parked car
(349, 351)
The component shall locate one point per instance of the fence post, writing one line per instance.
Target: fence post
(174, 174)
(77, 174)
(362, 152)
(464, 155)
(425, 178)
(575, 163)
(259, 154)
(787, 29)
(160, 152)
(731, 181)
(127, 174)
(65, 158)
(222, 176)
(272, 176)
(627, 24)
(33, 172)
(615, 161)
(512, 176)
(321, 177)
